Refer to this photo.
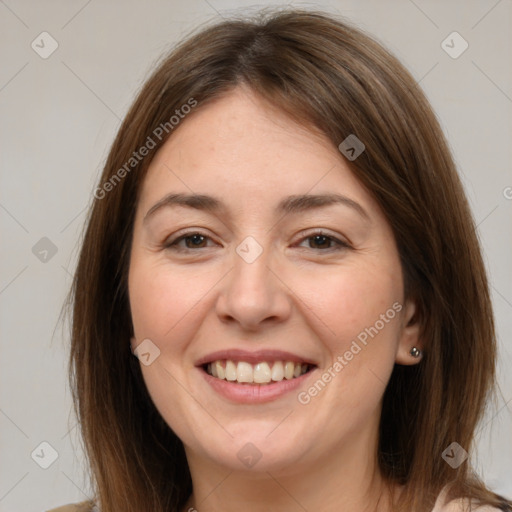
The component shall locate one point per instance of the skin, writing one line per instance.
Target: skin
(307, 297)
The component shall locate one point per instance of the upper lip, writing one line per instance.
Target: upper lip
(253, 357)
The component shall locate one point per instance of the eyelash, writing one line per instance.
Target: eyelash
(173, 244)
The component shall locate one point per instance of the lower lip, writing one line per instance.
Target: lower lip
(254, 393)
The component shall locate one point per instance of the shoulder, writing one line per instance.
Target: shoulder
(84, 506)
(460, 505)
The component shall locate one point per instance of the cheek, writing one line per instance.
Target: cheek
(161, 298)
(165, 305)
(350, 300)
(361, 309)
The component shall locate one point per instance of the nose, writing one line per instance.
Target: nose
(253, 295)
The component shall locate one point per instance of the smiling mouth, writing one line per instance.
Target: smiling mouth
(262, 373)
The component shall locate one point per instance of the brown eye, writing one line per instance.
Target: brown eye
(324, 243)
(320, 242)
(192, 240)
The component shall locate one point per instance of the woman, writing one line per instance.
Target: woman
(280, 301)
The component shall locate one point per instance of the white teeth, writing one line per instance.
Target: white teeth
(260, 373)
(230, 370)
(244, 372)
(219, 369)
(278, 371)
(288, 370)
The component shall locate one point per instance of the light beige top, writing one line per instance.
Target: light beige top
(84, 506)
(459, 505)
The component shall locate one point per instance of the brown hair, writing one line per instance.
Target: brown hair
(331, 76)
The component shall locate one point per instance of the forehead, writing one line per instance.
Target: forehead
(240, 147)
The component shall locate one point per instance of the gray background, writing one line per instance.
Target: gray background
(58, 119)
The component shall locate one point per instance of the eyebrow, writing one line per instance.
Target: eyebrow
(289, 205)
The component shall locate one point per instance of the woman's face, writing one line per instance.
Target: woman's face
(287, 266)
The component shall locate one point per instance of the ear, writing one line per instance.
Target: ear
(133, 343)
(409, 336)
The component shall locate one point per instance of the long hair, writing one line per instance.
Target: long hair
(334, 78)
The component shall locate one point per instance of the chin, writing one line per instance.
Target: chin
(258, 447)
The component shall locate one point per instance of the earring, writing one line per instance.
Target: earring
(415, 352)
